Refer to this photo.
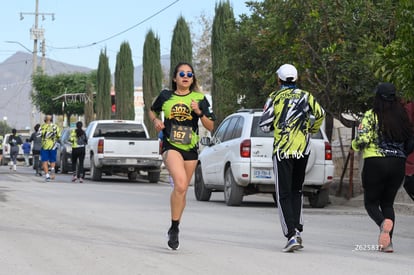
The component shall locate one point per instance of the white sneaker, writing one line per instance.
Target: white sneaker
(299, 238)
(291, 245)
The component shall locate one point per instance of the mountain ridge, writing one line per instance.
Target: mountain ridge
(15, 85)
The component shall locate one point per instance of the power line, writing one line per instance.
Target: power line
(117, 34)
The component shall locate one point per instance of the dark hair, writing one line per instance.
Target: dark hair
(288, 81)
(37, 126)
(14, 131)
(393, 121)
(79, 131)
(193, 85)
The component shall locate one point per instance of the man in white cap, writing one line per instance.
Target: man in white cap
(293, 114)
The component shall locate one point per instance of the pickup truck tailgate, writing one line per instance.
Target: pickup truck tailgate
(130, 148)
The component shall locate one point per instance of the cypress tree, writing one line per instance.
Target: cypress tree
(151, 76)
(222, 94)
(103, 95)
(181, 46)
(89, 113)
(124, 83)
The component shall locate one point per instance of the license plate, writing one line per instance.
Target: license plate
(131, 161)
(262, 174)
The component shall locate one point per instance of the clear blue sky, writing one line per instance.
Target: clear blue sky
(83, 27)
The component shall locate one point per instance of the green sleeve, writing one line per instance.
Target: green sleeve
(366, 132)
(318, 112)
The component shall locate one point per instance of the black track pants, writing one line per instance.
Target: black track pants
(289, 177)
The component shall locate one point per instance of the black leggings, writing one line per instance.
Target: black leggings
(78, 154)
(381, 179)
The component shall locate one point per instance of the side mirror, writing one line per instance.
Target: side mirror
(205, 141)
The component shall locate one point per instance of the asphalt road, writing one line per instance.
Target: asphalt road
(118, 227)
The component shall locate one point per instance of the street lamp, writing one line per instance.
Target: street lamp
(16, 42)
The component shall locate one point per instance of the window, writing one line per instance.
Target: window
(231, 129)
(219, 135)
(238, 128)
(119, 130)
(256, 131)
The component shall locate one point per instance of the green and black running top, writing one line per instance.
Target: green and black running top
(293, 114)
(78, 141)
(181, 122)
(370, 142)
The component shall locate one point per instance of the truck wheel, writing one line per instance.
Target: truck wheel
(96, 173)
(319, 200)
(233, 193)
(153, 177)
(202, 193)
(132, 176)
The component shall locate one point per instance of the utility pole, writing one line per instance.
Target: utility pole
(37, 34)
(43, 49)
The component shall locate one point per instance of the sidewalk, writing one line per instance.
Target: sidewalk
(403, 203)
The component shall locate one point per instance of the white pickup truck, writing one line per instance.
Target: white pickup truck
(121, 147)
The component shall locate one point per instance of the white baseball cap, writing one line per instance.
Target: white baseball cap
(287, 71)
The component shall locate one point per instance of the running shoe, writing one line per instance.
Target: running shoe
(299, 238)
(384, 239)
(47, 179)
(80, 180)
(74, 178)
(388, 249)
(173, 242)
(291, 245)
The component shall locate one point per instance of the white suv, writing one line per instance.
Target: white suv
(237, 159)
